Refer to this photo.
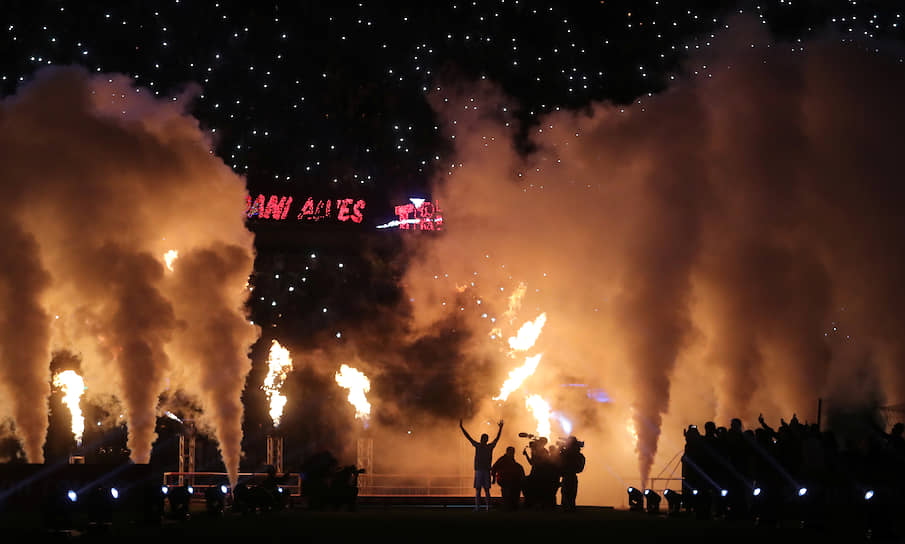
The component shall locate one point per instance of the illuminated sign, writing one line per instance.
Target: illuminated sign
(418, 214)
(277, 208)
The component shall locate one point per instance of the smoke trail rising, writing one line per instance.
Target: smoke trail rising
(121, 191)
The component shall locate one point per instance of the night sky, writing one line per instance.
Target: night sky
(328, 100)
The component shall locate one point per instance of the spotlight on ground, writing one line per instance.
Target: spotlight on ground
(673, 500)
(72, 496)
(179, 498)
(802, 491)
(114, 493)
(635, 500)
(756, 492)
(869, 494)
(215, 499)
(653, 501)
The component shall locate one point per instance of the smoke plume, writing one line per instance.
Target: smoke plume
(100, 180)
(727, 247)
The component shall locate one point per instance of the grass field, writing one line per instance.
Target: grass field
(412, 524)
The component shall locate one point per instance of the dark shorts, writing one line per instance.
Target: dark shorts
(482, 479)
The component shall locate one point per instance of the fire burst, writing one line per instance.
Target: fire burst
(527, 334)
(358, 384)
(541, 410)
(523, 341)
(278, 366)
(517, 376)
(169, 257)
(72, 386)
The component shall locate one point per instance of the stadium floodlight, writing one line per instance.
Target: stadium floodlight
(635, 500)
(224, 489)
(724, 492)
(114, 492)
(280, 489)
(72, 495)
(802, 491)
(869, 494)
(756, 492)
(191, 490)
(694, 491)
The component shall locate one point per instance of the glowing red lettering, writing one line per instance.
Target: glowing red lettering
(277, 207)
(307, 209)
(403, 212)
(357, 216)
(343, 206)
(255, 207)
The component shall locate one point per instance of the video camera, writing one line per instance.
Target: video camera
(561, 443)
(534, 441)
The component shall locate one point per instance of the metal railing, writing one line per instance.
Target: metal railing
(415, 485)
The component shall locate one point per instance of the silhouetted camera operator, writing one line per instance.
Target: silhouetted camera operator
(572, 463)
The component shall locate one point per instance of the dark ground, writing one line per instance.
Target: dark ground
(411, 524)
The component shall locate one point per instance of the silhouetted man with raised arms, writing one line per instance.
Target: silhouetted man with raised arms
(483, 455)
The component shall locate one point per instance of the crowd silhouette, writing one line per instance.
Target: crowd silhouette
(795, 471)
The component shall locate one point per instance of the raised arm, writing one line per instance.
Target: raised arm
(764, 425)
(468, 436)
(498, 433)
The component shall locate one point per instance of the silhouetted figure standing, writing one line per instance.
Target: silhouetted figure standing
(483, 454)
(572, 463)
(537, 486)
(509, 474)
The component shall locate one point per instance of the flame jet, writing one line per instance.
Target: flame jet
(279, 363)
(358, 384)
(523, 340)
(527, 334)
(517, 376)
(169, 257)
(73, 386)
(541, 410)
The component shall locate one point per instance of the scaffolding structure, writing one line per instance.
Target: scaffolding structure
(364, 460)
(187, 452)
(275, 452)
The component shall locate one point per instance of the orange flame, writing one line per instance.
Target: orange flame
(541, 410)
(169, 257)
(72, 386)
(527, 334)
(358, 384)
(517, 376)
(279, 363)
